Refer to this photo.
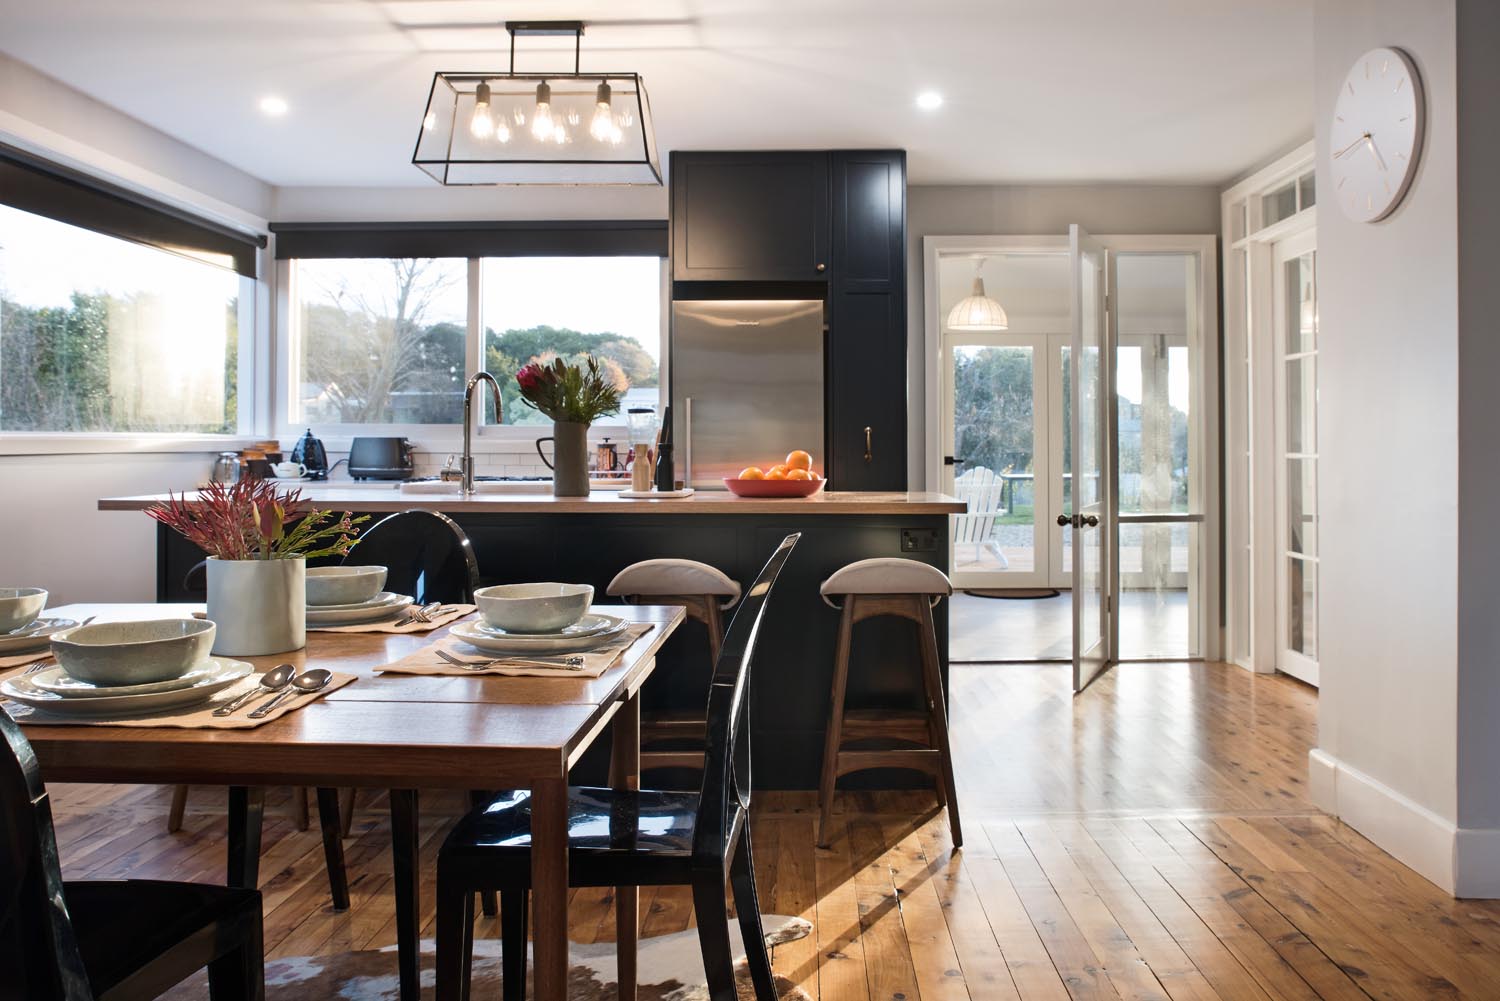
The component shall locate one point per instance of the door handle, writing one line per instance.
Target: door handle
(1063, 521)
(1078, 520)
(868, 450)
(1092, 520)
(949, 460)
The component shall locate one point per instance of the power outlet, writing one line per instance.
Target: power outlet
(918, 540)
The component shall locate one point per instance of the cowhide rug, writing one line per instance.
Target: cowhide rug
(670, 969)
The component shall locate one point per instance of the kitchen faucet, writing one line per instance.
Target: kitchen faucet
(465, 471)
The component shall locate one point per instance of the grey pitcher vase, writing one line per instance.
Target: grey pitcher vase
(570, 458)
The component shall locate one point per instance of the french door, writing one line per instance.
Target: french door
(1088, 517)
(1294, 289)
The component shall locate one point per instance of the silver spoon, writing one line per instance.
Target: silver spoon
(308, 681)
(273, 680)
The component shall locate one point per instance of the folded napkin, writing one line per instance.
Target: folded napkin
(197, 717)
(390, 626)
(595, 661)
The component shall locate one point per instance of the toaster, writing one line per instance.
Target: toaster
(380, 459)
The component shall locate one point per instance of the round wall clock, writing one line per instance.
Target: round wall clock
(1376, 135)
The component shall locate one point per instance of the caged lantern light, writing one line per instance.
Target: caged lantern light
(538, 128)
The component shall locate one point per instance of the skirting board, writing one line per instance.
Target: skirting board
(1463, 861)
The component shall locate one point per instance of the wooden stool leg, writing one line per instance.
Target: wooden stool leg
(937, 714)
(834, 735)
(179, 805)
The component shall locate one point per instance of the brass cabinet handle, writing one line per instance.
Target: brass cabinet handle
(868, 456)
(822, 267)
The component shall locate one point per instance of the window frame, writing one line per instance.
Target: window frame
(486, 438)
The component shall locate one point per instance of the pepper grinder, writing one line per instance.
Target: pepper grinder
(665, 474)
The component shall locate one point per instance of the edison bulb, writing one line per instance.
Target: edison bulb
(602, 127)
(542, 125)
(482, 124)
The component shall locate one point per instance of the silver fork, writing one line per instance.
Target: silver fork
(570, 663)
(424, 614)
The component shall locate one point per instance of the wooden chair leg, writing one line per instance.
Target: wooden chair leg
(299, 808)
(747, 904)
(513, 944)
(333, 846)
(713, 936)
(179, 806)
(833, 736)
(455, 940)
(240, 974)
(937, 715)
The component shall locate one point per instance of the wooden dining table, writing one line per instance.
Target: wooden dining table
(399, 733)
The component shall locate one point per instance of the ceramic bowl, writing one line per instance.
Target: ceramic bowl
(533, 608)
(343, 585)
(134, 653)
(20, 606)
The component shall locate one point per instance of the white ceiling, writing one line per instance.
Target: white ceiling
(1051, 91)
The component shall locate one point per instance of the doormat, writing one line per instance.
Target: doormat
(669, 968)
(1020, 593)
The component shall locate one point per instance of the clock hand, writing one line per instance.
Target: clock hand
(1347, 149)
(1370, 142)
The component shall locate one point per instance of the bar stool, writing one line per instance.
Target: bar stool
(698, 588)
(909, 590)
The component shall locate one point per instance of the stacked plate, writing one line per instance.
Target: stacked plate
(350, 596)
(35, 635)
(55, 691)
(591, 631)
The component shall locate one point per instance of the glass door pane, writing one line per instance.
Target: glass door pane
(1297, 501)
(1091, 509)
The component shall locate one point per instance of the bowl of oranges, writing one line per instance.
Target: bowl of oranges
(793, 478)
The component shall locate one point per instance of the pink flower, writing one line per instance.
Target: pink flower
(529, 378)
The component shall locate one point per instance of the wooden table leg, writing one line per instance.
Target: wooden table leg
(549, 887)
(625, 773)
(247, 806)
(404, 849)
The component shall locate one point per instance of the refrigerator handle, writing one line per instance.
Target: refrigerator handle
(687, 442)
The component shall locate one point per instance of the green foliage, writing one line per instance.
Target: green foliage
(505, 354)
(574, 393)
(992, 409)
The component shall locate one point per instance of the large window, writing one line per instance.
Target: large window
(380, 341)
(101, 334)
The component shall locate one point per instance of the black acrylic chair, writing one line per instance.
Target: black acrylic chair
(629, 838)
(425, 553)
(109, 940)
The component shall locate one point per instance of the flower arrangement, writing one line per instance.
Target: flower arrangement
(249, 520)
(577, 394)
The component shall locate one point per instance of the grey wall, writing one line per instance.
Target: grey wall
(1028, 210)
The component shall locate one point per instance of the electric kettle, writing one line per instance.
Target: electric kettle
(310, 452)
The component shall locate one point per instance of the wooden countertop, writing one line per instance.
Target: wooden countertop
(384, 498)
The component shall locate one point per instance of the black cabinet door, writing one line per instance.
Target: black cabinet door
(867, 319)
(749, 216)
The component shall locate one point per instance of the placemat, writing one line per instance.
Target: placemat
(595, 662)
(389, 625)
(44, 652)
(199, 717)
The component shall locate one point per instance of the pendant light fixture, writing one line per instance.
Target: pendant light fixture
(538, 128)
(978, 311)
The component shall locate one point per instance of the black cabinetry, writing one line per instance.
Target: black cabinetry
(777, 225)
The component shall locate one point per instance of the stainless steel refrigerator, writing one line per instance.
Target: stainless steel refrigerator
(747, 385)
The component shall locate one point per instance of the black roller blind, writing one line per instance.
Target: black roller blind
(568, 238)
(33, 185)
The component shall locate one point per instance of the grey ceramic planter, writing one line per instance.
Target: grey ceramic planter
(259, 606)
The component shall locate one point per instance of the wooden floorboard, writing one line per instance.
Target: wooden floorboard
(1149, 840)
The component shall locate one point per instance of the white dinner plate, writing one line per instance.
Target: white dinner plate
(60, 682)
(590, 625)
(35, 635)
(381, 599)
(490, 643)
(23, 691)
(322, 615)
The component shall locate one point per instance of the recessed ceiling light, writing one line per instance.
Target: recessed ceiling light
(929, 100)
(273, 106)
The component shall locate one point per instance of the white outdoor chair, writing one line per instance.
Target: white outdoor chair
(983, 491)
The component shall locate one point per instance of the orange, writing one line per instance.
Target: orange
(780, 467)
(812, 474)
(798, 460)
(776, 473)
(798, 474)
(752, 473)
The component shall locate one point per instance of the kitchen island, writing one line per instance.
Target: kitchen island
(527, 536)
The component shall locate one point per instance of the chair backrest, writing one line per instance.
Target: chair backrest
(983, 491)
(37, 949)
(725, 794)
(425, 553)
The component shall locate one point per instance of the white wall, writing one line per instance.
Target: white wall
(1028, 210)
(1409, 464)
(60, 540)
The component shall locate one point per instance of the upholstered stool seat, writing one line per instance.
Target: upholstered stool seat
(910, 590)
(676, 739)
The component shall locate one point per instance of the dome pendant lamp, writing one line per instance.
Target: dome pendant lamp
(978, 311)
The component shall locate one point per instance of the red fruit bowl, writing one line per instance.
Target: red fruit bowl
(773, 488)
